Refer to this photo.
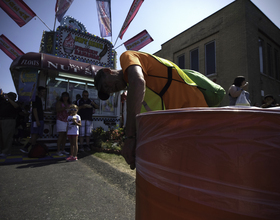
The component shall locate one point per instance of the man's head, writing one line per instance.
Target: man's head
(78, 96)
(269, 98)
(85, 95)
(108, 81)
(42, 91)
(98, 82)
(12, 96)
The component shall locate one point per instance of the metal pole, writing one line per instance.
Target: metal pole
(43, 22)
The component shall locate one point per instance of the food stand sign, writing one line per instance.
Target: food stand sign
(72, 41)
(27, 85)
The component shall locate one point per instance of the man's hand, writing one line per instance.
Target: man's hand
(87, 106)
(38, 124)
(128, 152)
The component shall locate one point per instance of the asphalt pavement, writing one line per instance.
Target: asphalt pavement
(55, 189)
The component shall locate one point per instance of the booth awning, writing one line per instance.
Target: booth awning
(49, 62)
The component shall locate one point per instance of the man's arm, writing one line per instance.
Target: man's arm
(35, 113)
(233, 90)
(135, 97)
(94, 104)
(13, 103)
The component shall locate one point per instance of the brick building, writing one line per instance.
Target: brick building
(236, 40)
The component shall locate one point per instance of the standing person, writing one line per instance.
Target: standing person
(9, 110)
(269, 102)
(78, 96)
(20, 124)
(152, 85)
(86, 109)
(73, 124)
(62, 114)
(236, 89)
(37, 120)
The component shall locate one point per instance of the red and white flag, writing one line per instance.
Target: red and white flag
(61, 7)
(131, 14)
(139, 41)
(104, 17)
(9, 48)
(18, 11)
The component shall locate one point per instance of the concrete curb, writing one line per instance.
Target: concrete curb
(115, 177)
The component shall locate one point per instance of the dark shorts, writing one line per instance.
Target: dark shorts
(71, 136)
(37, 130)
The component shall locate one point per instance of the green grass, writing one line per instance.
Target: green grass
(116, 161)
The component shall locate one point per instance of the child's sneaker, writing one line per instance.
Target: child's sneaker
(70, 159)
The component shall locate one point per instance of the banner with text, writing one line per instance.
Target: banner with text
(61, 8)
(104, 17)
(9, 48)
(139, 41)
(27, 85)
(18, 11)
(131, 14)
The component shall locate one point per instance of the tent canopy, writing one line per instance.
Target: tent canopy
(51, 64)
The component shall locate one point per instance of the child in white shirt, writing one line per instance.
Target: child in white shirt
(73, 123)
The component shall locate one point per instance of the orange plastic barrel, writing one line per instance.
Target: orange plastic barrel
(208, 163)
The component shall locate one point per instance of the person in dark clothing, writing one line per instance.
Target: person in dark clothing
(269, 102)
(21, 122)
(37, 122)
(9, 110)
(86, 109)
(78, 97)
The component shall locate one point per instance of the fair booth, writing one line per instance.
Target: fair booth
(67, 61)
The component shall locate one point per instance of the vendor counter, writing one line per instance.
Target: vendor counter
(208, 163)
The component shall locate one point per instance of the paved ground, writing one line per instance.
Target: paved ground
(23, 158)
(55, 189)
(18, 157)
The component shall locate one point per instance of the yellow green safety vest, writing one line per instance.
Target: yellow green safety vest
(153, 101)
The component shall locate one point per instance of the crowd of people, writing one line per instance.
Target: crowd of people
(9, 111)
(140, 72)
(73, 122)
(240, 88)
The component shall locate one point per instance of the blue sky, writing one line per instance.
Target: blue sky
(161, 18)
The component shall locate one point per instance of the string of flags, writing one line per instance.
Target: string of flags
(20, 12)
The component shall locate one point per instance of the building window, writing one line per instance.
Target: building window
(210, 58)
(181, 61)
(194, 60)
(276, 64)
(261, 55)
(269, 60)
